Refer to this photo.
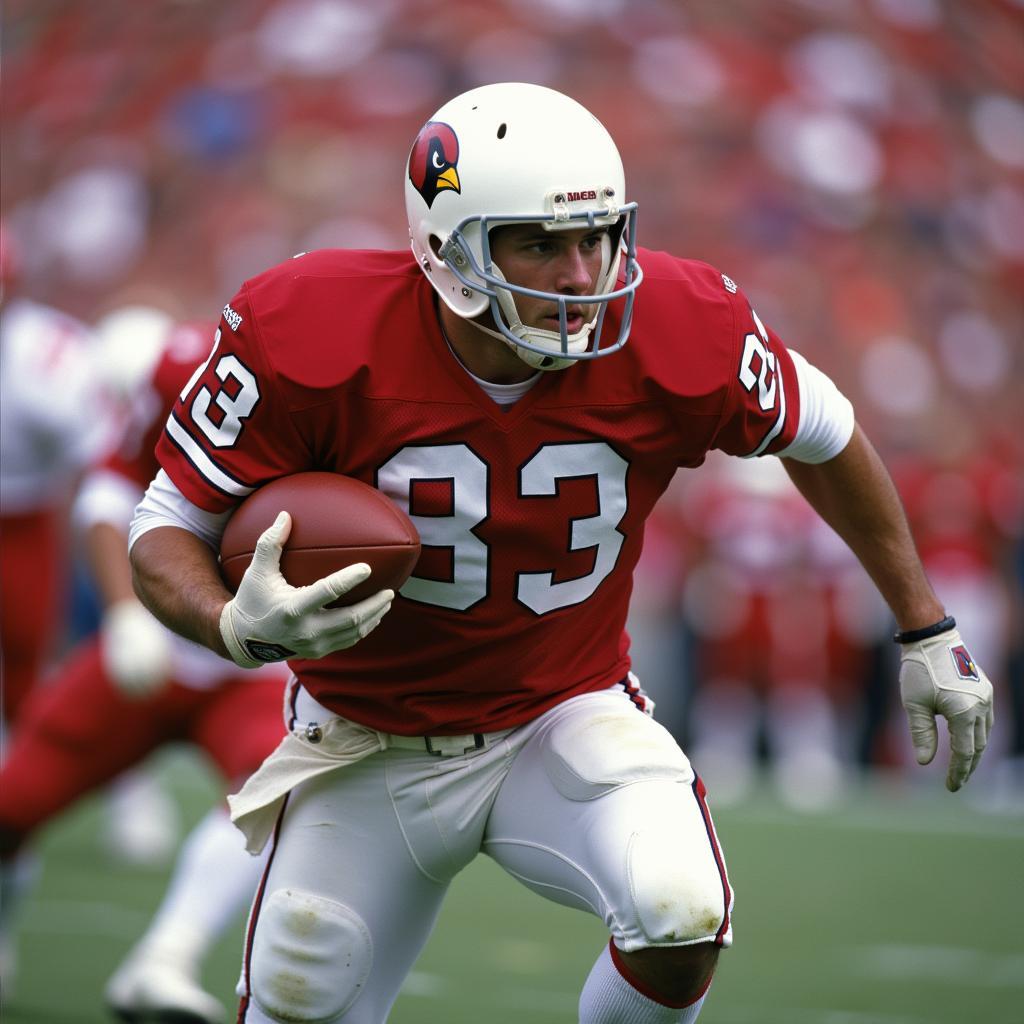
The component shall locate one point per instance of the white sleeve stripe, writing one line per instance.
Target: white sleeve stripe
(202, 463)
(779, 423)
(826, 416)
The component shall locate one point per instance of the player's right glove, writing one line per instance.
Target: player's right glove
(939, 677)
(270, 620)
(135, 648)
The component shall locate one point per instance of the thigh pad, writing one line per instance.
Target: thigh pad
(602, 745)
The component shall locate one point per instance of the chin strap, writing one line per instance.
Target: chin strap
(535, 359)
(551, 341)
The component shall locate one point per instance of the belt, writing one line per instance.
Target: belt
(307, 710)
(445, 746)
(439, 746)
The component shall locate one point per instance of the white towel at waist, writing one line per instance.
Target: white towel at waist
(257, 805)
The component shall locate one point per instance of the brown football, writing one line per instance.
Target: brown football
(336, 521)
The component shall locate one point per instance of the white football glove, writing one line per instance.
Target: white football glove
(135, 648)
(270, 620)
(939, 677)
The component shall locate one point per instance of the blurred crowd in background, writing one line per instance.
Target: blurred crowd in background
(857, 166)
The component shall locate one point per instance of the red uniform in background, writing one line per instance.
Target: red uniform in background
(54, 420)
(773, 596)
(80, 730)
(783, 619)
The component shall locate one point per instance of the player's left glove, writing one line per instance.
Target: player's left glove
(938, 676)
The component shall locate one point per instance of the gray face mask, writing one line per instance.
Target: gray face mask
(540, 348)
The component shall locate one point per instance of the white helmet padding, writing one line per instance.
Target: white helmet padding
(518, 153)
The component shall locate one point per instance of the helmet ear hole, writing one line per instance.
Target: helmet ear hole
(435, 245)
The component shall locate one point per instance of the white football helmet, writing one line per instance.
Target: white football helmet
(511, 153)
(130, 341)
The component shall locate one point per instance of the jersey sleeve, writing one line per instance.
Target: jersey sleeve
(229, 430)
(761, 413)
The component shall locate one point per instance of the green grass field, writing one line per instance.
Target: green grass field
(905, 907)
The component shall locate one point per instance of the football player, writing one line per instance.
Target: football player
(514, 387)
(53, 422)
(778, 608)
(124, 693)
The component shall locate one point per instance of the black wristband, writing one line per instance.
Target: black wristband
(909, 636)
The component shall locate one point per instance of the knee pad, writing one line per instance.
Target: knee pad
(589, 755)
(677, 896)
(310, 957)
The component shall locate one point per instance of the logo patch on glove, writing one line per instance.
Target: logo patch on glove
(964, 663)
(262, 651)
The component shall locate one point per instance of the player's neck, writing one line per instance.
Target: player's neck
(484, 357)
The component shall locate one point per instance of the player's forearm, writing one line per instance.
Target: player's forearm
(176, 577)
(106, 547)
(855, 495)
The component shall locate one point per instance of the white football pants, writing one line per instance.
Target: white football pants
(592, 805)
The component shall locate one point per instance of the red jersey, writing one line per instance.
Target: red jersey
(531, 516)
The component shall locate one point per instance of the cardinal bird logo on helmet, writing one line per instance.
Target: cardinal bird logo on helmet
(433, 160)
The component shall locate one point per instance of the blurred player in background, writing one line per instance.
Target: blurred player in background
(783, 619)
(131, 689)
(65, 391)
(55, 418)
(141, 820)
(486, 384)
